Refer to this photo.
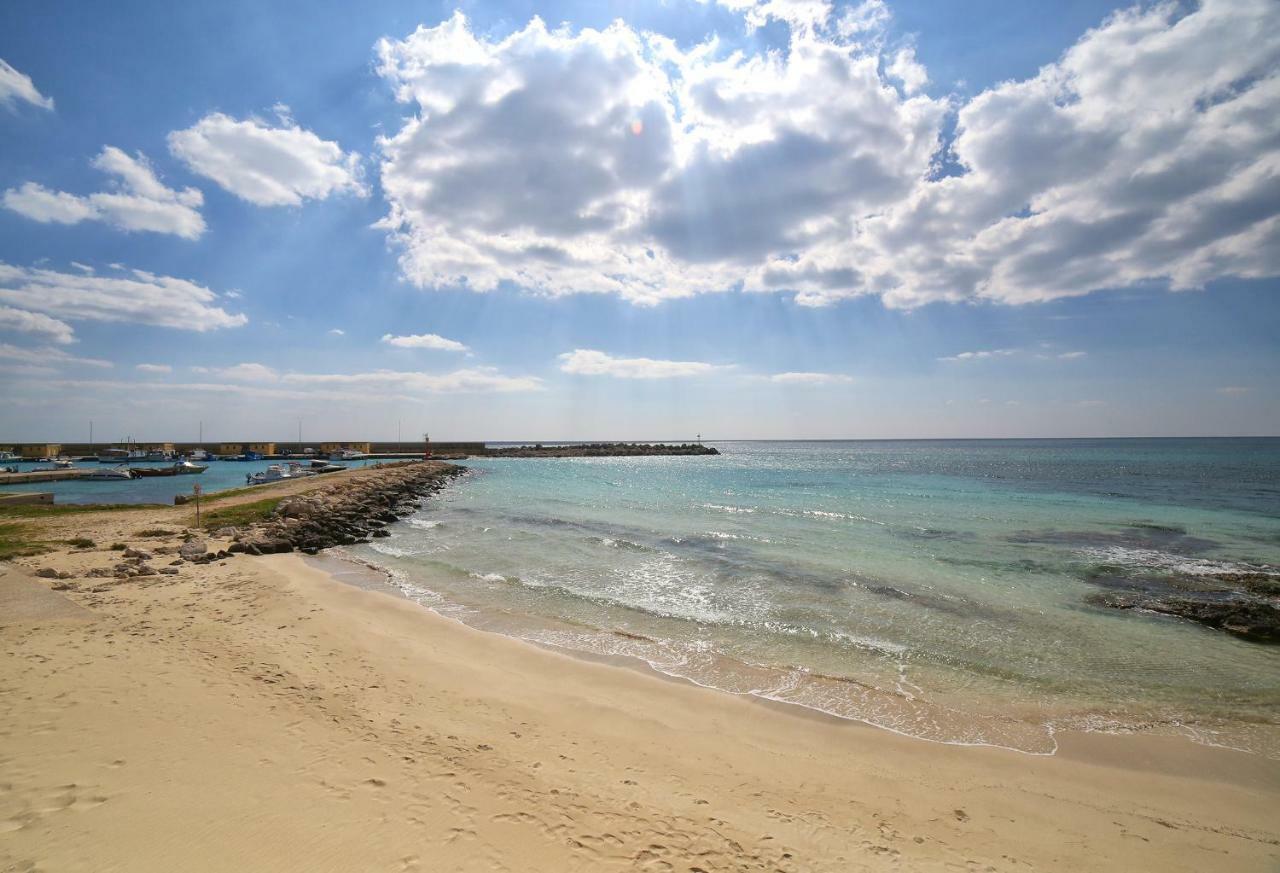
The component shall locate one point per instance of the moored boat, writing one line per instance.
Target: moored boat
(121, 472)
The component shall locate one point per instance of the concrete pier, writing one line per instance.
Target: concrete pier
(44, 476)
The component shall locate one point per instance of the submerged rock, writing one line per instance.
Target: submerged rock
(1243, 604)
(1248, 618)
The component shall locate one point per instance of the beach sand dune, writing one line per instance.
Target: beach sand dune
(260, 715)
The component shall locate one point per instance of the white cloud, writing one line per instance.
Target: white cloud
(37, 323)
(559, 162)
(982, 355)
(617, 161)
(337, 331)
(154, 368)
(810, 379)
(424, 341)
(244, 373)
(472, 380)
(267, 166)
(139, 202)
(587, 362)
(15, 86)
(389, 383)
(47, 357)
(908, 71)
(140, 298)
(1072, 356)
(1234, 390)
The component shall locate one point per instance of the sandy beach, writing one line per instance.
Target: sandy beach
(265, 713)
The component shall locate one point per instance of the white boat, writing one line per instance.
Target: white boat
(63, 463)
(7, 455)
(278, 472)
(188, 468)
(198, 455)
(121, 472)
(347, 455)
(119, 456)
(157, 456)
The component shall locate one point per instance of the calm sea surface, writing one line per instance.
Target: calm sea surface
(935, 588)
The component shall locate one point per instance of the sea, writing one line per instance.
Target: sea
(938, 589)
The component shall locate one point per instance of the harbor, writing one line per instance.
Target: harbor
(165, 473)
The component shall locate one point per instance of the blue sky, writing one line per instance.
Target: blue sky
(751, 218)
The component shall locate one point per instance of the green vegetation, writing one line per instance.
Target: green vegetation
(16, 542)
(154, 532)
(80, 542)
(118, 547)
(47, 510)
(241, 514)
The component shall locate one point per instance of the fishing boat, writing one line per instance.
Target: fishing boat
(347, 455)
(7, 455)
(186, 468)
(120, 456)
(198, 455)
(157, 456)
(121, 472)
(149, 472)
(277, 473)
(63, 463)
(326, 467)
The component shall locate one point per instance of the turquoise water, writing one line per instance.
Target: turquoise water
(932, 588)
(155, 489)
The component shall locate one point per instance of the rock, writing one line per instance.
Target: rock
(224, 532)
(1248, 618)
(47, 573)
(169, 571)
(143, 571)
(63, 574)
(137, 553)
(193, 549)
(381, 533)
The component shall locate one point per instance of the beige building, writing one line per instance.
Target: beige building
(42, 450)
(262, 448)
(330, 448)
(230, 448)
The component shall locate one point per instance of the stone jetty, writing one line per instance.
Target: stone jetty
(345, 512)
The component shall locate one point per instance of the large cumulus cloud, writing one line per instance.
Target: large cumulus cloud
(565, 161)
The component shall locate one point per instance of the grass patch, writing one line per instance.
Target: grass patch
(241, 514)
(118, 547)
(80, 542)
(155, 532)
(45, 510)
(16, 541)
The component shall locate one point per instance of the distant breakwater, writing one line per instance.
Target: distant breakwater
(600, 450)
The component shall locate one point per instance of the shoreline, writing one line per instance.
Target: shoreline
(266, 714)
(1166, 752)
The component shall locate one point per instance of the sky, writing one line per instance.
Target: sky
(769, 219)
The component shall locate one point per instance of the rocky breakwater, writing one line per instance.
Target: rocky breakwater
(601, 450)
(346, 512)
